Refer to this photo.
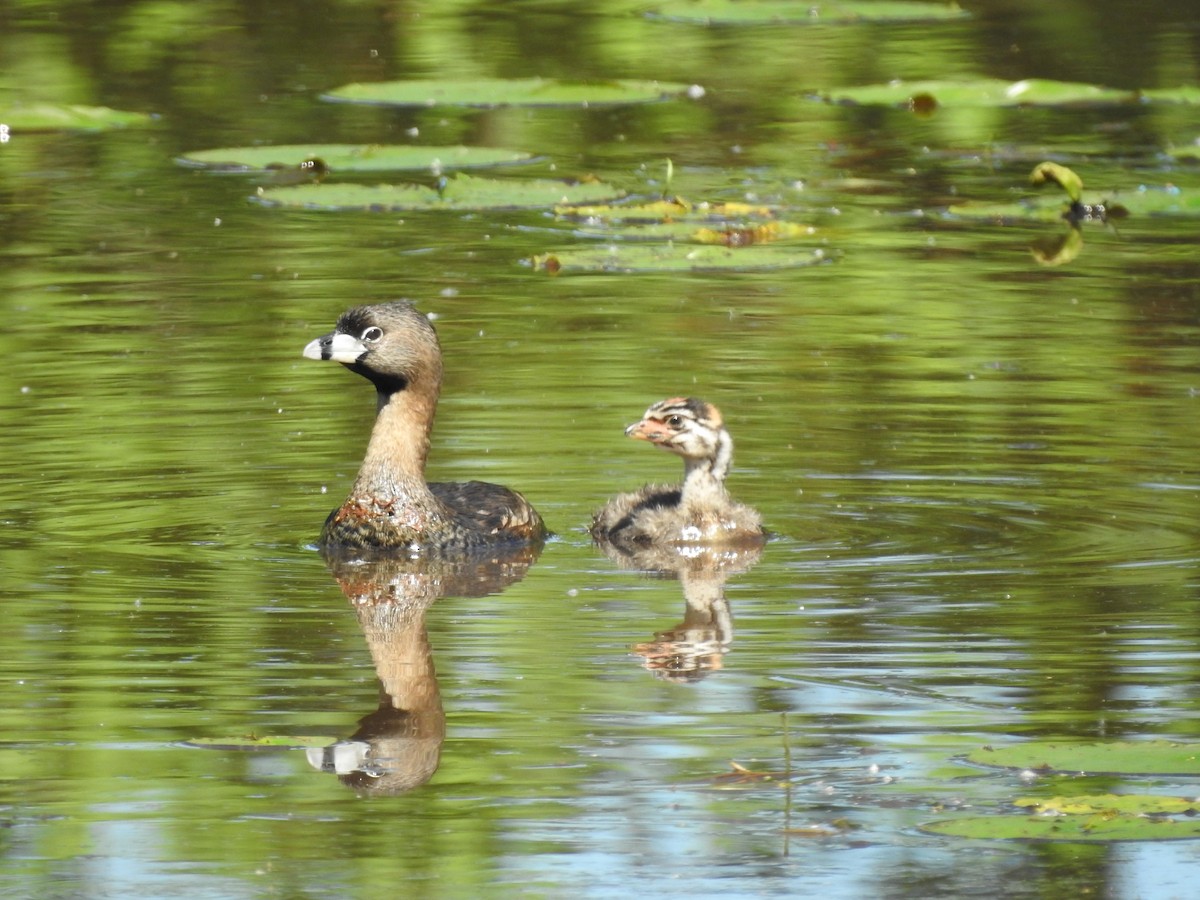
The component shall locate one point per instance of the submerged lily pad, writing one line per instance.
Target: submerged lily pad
(352, 157)
(790, 12)
(627, 259)
(925, 96)
(1101, 827)
(56, 117)
(258, 742)
(488, 93)
(1117, 757)
(462, 192)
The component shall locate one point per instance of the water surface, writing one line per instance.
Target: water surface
(980, 473)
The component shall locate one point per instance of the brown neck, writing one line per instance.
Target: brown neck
(394, 465)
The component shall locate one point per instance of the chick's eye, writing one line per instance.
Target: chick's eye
(372, 334)
(674, 421)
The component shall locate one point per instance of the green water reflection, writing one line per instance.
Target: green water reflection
(980, 473)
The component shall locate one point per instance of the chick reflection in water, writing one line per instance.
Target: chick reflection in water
(398, 746)
(695, 647)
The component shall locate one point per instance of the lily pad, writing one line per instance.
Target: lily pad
(627, 259)
(461, 192)
(727, 224)
(1183, 94)
(1095, 828)
(1187, 153)
(727, 234)
(488, 93)
(1144, 201)
(657, 232)
(258, 742)
(673, 210)
(925, 96)
(1117, 757)
(1126, 804)
(1009, 212)
(790, 12)
(56, 117)
(740, 234)
(1149, 200)
(352, 157)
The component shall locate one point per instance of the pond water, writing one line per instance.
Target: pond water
(980, 473)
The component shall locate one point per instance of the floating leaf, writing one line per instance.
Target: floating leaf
(744, 235)
(1145, 201)
(790, 12)
(641, 258)
(835, 828)
(728, 224)
(53, 117)
(659, 232)
(1126, 804)
(462, 192)
(1184, 94)
(352, 157)
(1060, 175)
(729, 234)
(920, 95)
(258, 742)
(740, 774)
(1148, 200)
(1009, 212)
(492, 92)
(1097, 828)
(341, 197)
(1189, 152)
(1117, 757)
(673, 210)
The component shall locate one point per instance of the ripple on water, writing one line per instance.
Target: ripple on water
(957, 525)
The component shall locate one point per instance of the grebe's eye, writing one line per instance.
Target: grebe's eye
(372, 334)
(675, 421)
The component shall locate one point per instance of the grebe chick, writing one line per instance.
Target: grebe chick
(390, 506)
(700, 511)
